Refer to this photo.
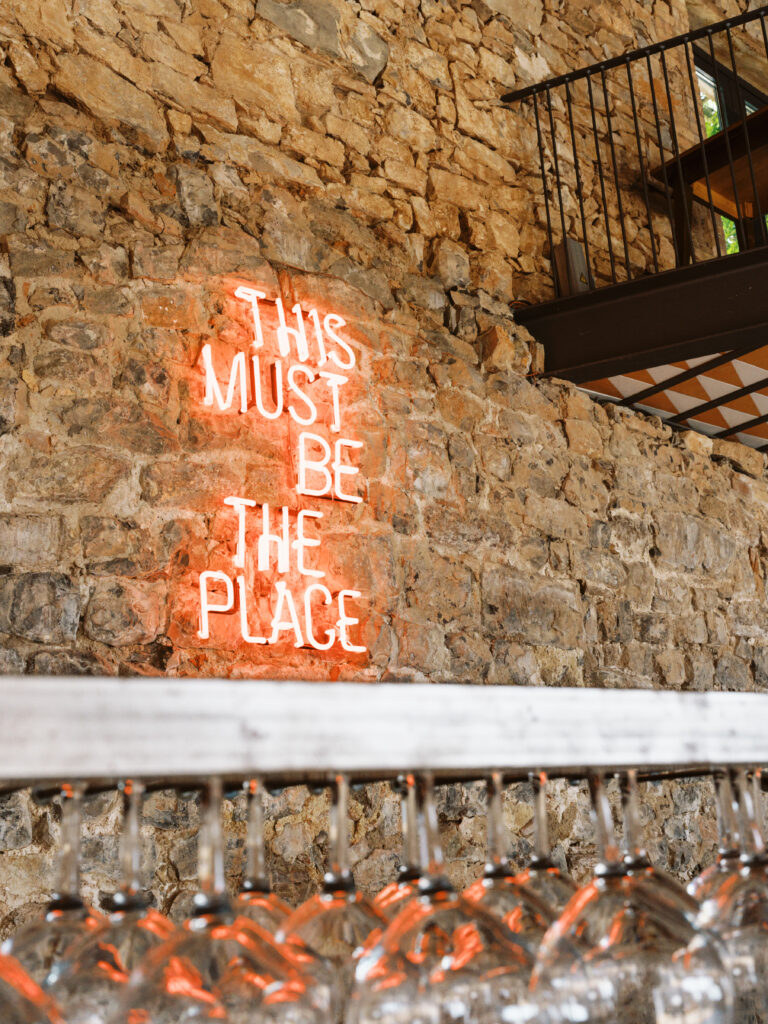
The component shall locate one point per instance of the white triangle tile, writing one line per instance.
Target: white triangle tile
(682, 402)
(701, 359)
(660, 373)
(748, 373)
(761, 402)
(715, 388)
(733, 417)
(627, 386)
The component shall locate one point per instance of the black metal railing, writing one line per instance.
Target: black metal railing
(654, 159)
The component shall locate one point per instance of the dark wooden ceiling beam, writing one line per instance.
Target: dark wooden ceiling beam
(693, 311)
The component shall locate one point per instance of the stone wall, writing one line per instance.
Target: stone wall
(346, 157)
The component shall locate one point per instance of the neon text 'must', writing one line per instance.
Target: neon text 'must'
(308, 390)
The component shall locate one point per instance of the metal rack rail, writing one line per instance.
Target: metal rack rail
(103, 729)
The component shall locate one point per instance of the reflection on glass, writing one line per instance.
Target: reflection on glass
(89, 982)
(442, 958)
(43, 943)
(623, 951)
(256, 900)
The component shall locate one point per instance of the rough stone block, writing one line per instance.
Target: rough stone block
(7, 405)
(451, 263)
(504, 352)
(741, 456)
(315, 23)
(44, 607)
(121, 613)
(11, 662)
(532, 610)
(367, 51)
(255, 75)
(206, 103)
(411, 128)
(66, 365)
(112, 99)
(75, 210)
(15, 822)
(196, 195)
(31, 542)
(226, 250)
(30, 258)
(264, 159)
(66, 662)
(68, 475)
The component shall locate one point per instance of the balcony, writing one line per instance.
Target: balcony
(653, 211)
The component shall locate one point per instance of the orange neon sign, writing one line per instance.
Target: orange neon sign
(293, 373)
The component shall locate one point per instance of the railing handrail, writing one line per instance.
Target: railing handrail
(625, 58)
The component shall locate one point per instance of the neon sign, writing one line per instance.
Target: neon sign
(301, 381)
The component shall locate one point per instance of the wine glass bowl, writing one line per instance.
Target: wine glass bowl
(624, 951)
(22, 1001)
(48, 939)
(442, 956)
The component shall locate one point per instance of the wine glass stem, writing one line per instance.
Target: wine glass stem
(211, 852)
(726, 832)
(633, 836)
(410, 826)
(69, 857)
(339, 841)
(431, 850)
(133, 795)
(753, 842)
(540, 831)
(496, 846)
(606, 840)
(255, 860)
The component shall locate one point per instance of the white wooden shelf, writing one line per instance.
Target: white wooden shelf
(53, 729)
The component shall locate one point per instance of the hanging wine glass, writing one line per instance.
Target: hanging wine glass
(442, 957)
(22, 1001)
(337, 922)
(728, 860)
(636, 860)
(736, 910)
(542, 876)
(219, 966)
(88, 983)
(521, 911)
(392, 897)
(42, 943)
(623, 952)
(256, 900)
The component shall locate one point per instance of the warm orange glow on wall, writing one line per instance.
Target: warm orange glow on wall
(290, 372)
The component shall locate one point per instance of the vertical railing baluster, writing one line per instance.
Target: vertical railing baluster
(682, 199)
(743, 113)
(724, 126)
(667, 192)
(601, 178)
(546, 189)
(702, 146)
(643, 177)
(557, 175)
(616, 175)
(579, 189)
(765, 33)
